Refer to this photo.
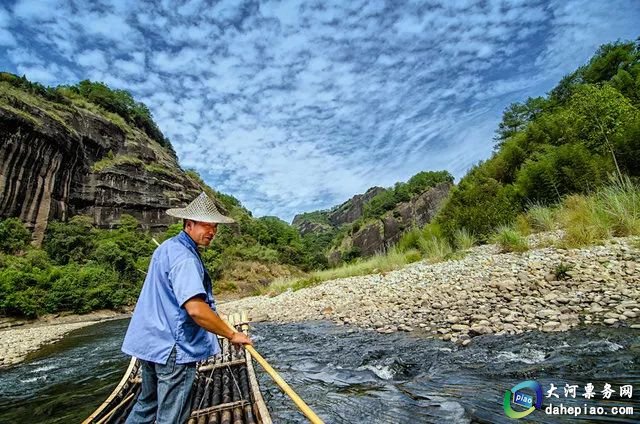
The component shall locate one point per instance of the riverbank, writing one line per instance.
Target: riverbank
(486, 292)
(18, 338)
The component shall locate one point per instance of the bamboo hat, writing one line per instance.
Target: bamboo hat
(201, 209)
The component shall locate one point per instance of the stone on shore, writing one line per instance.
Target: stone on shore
(486, 292)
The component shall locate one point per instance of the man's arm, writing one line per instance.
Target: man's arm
(206, 318)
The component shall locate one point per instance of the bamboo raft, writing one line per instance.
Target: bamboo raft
(225, 390)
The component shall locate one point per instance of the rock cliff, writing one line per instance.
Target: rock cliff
(373, 235)
(377, 235)
(58, 160)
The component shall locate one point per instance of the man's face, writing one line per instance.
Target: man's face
(201, 232)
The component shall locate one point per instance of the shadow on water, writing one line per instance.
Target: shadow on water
(352, 376)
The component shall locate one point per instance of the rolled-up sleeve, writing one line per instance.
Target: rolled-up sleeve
(186, 279)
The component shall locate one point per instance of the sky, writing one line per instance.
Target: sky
(294, 106)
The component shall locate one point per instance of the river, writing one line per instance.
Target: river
(349, 375)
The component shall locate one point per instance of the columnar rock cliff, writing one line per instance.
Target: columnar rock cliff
(59, 160)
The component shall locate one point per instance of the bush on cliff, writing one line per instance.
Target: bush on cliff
(14, 236)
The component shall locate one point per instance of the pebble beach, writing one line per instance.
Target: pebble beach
(486, 292)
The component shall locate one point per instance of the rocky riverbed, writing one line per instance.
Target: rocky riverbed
(486, 292)
(19, 338)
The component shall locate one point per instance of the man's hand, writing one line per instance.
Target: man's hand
(240, 338)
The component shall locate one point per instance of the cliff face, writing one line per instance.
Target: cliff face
(376, 236)
(59, 160)
(345, 213)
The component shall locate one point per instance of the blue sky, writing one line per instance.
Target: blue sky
(294, 106)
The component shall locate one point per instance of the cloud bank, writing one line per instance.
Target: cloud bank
(293, 106)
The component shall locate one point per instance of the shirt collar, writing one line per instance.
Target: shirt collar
(184, 237)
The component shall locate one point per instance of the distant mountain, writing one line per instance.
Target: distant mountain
(372, 222)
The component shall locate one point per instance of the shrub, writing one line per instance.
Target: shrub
(13, 235)
(71, 241)
(510, 240)
(27, 303)
(478, 204)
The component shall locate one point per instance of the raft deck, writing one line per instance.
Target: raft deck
(225, 391)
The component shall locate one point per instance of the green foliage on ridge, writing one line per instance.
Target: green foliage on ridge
(116, 101)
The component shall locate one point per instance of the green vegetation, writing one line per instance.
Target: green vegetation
(562, 271)
(394, 259)
(510, 240)
(108, 100)
(613, 210)
(586, 129)
(402, 192)
(463, 239)
(79, 268)
(110, 160)
(13, 236)
(541, 218)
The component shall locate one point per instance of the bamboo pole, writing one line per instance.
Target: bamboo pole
(304, 408)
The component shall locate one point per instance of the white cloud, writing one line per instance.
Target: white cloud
(92, 59)
(38, 10)
(6, 38)
(290, 104)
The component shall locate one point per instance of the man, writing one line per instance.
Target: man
(171, 326)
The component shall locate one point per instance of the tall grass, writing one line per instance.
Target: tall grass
(463, 239)
(394, 259)
(510, 240)
(435, 249)
(409, 240)
(613, 210)
(541, 218)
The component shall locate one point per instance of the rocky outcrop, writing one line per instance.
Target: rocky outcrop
(59, 160)
(352, 209)
(378, 235)
(345, 213)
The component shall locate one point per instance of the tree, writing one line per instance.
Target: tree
(600, 113)
(516, 117)
(70, 241)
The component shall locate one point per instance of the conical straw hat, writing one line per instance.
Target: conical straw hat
(201, 209)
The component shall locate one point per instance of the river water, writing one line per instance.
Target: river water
(353, 376)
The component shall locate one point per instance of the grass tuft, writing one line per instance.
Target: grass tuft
(541, 218)
(463, 239)
(435, 249)
(510, 240)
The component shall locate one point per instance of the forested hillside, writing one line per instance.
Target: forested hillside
(584, 132)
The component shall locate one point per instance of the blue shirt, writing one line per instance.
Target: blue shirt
(159, 321)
